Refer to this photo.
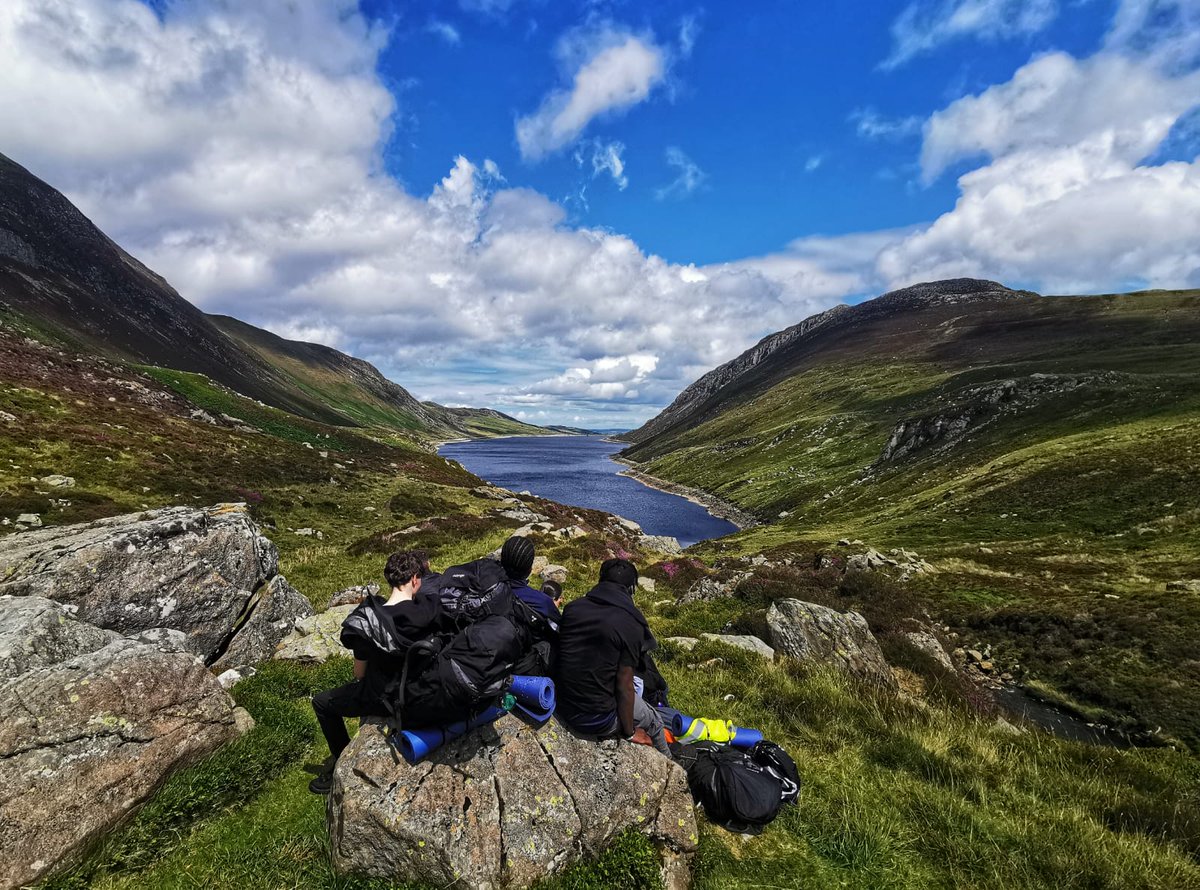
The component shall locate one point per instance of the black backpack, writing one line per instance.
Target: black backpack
(778, 763)
(445, 680)
(736, 792)
(473, 591)
(370, 624)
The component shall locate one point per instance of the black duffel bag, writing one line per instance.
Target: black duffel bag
(736, 792)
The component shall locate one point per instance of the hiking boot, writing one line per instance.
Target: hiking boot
(322, 783)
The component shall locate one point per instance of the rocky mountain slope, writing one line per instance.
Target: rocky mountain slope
(758, 366)
(70, 282)
(1040, 452)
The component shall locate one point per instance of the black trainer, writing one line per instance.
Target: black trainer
(322, 783)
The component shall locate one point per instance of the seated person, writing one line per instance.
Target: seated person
(553, 590)
(415, 614)
(516, 558)
(601, 640)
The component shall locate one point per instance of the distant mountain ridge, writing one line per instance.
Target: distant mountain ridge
(707, 392)
(71, 281)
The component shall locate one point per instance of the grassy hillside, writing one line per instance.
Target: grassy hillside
(918, 792)
(1054, 519)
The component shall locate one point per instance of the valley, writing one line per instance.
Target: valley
(1046, 522)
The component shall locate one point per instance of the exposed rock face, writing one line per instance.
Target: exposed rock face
(555, 573)
(315, 638)
(36, 632)
(191, 569)
(929, 644)
(812, 633)
(352, 596)
(274, 611)
(975, 407)
(660, 543)
(91, 724)
(504, 807)
(707, 589)
(707, 396)
(743, 641)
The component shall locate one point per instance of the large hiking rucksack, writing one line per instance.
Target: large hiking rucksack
(736, 792)
(370, 624)
(447, 682)
(474, 591)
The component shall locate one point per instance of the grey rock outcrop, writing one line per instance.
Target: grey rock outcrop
(975, 407)
(706, 589)
(272, 614)
(36, 632)
(816, 634)
(352, 596)
(196, 570)
(743, 641)
(930, 645)
(315, 638)
(660, 544)
(555, 573)
(504, 807)
(91, 723)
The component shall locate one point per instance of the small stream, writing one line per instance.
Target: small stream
(1017, 702)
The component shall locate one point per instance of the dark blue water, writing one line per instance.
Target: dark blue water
(578, 470)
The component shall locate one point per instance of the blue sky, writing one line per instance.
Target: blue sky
(768, 89)
(569, 211)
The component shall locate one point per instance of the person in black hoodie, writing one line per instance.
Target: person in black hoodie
(602, 640)
(414, 614)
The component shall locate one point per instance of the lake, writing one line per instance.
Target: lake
(579, 470)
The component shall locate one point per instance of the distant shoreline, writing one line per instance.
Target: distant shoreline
(716, 506)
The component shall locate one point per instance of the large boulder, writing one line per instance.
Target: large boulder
(36, 632)
(191, 569)
(812, 633)
(315, 638)
(660, 544)
(504, 807)
(91, 724)
(272, 614)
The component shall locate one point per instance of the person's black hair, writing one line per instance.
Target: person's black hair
(552, 589)
(402, 567)
(619, 571)
(516, 556)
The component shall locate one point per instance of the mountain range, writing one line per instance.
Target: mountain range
(69, 281)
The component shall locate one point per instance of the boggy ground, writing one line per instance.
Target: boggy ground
(920, 792)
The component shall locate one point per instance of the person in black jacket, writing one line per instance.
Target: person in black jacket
(602, 640)
(414, 614)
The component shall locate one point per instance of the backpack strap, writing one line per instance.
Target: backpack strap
(394, 691)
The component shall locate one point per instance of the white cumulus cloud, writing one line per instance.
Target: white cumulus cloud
(611, 70)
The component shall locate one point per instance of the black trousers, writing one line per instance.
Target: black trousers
(357, 699)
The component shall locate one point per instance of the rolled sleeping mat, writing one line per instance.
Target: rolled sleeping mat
(745, 738)
(417, 744)
(533, 692)
(535, 714)
(687, 730)
(672, 719)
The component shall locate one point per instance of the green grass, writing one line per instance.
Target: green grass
(924, 793)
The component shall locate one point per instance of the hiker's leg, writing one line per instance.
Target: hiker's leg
(645, 717)
(332, 707)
